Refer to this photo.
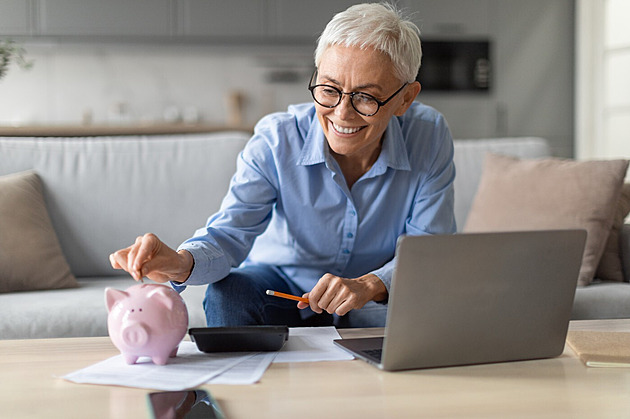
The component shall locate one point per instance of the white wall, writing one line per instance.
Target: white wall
(71, 82)
(532, 64)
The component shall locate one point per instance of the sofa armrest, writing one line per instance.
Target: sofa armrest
(624, 250)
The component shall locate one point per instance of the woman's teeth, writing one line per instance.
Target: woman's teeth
(345, 130)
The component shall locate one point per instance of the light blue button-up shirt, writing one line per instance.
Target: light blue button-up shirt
(289, 206)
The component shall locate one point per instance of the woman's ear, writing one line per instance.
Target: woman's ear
(409, 95)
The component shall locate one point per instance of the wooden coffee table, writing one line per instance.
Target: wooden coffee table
(556, 388)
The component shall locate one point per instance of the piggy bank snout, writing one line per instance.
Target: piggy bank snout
(135, 334)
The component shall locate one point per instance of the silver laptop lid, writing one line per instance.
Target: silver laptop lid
(482, 297)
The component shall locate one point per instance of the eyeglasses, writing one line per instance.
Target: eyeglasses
(329, 97)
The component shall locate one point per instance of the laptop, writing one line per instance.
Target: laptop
(476, 298)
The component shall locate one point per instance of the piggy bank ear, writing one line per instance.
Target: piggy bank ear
(160, 294)
(112, 296)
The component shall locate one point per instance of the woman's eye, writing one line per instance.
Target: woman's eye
(365, 99)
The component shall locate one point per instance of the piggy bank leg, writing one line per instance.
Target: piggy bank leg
(173, 353)
(159, 359)
(129, 358)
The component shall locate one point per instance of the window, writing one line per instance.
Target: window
(603, 85)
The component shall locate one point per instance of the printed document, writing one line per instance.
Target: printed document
(311, 344)
(192, 368)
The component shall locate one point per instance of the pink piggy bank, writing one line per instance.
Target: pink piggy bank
(146, 320)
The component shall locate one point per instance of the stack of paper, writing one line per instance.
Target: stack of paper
(191, 368)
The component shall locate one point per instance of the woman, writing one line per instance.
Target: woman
(323, 191)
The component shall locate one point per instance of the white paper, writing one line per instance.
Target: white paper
(310, 344)
(190, 368)
(249, 371)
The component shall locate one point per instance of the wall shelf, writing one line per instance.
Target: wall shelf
(60, 130)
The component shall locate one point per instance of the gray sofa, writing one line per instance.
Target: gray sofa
(101, 192)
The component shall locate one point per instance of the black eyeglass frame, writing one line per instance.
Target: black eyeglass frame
(380, 103)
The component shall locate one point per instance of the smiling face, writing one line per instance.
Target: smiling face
(351, 135)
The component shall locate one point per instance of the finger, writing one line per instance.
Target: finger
(302, 305)
(152, 270)
(316, 293)
(115, 263)
(149, 247)
(313, 303)
(333, 295)
(344, 308)
(145, 251)
(120, 259)
(314, 306)
(336, 300)
(132, 257)
(350, 301)
(325, 302)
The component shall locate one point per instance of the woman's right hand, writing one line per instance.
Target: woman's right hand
(150, 257)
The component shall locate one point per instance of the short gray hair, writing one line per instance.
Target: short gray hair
(380, 26)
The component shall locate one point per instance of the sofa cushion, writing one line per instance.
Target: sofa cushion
(537, 194)
(30, 255)
(607, 300)
(609, 268)
(103, 192)
(469, 155)
(54, 314)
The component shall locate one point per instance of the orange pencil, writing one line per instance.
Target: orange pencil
(287, 296)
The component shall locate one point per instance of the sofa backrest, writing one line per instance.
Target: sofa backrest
(102, 192)
(469, 157)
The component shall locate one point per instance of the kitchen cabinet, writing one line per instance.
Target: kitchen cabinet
(448, 19)
(292, 20)
(220, 18)
(207, 20)
(16, 17)
(115, 18)
(303, 19)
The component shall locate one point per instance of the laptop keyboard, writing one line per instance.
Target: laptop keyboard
(374, 353)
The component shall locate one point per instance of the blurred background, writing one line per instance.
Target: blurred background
(493, 67)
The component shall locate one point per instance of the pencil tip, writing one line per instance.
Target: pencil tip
(269, 292)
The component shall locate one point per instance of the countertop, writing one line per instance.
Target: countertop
(69, 130)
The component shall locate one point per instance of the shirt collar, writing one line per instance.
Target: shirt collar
(314, 150)
(393, 153)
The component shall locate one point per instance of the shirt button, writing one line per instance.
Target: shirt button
(353, 212)
(349, 235)
(346, 251)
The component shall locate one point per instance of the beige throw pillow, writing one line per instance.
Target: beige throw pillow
(552, 193)
(610, 268)
(30, 255)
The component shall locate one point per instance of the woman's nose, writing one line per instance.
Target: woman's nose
(345, 108)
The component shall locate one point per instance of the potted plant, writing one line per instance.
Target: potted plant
(10, 51)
